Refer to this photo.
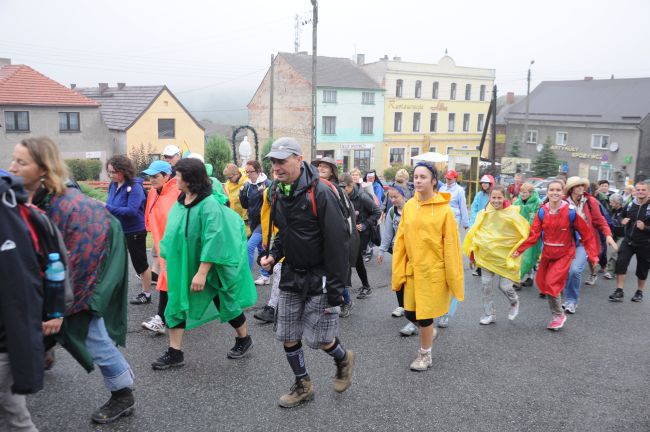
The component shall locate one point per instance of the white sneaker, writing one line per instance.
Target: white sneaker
(422, 362)
(409, 330)
(570, 307)
(155, 324)
(591, 279)
(608, 275)
(488, 319)
(398, 312)
(443, 321)
(262, 280)
(514, 311)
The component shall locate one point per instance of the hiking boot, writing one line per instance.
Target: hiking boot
(365, 292)
(409, 329)
(617, 296)
(557, 323)
(141, 299)
(262, 280)
(443, 321)
(422, 362)
(155, 324)
(242, 345)
(488, 319)
(301, 391)
(398, 312)
(638, 296)
(266, 315)
(172, 358)
(591, 279)
(116, 407)
(514, 311)
(343, 377)
(346, 308)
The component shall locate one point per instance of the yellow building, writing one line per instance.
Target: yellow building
(432, 107)
(147, 118)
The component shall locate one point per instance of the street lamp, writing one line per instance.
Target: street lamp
(524, 134)
(245, 151)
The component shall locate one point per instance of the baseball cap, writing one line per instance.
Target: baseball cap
(284, 147)
(451, 174)
(171, 150)
(158, 166)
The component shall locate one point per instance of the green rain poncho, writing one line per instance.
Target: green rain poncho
(217, 188)
(528, 211)
(206, 231)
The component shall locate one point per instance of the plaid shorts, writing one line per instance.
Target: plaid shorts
(311, 319)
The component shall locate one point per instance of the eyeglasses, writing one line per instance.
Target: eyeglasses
(250, 172)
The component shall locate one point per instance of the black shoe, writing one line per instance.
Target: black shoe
(116, 407)
(346, 308)
(242, 345)
(172, 358)
(516, 286)
(528, 282)
(542, 295)
(154, 277)
(267, 314)
(141, 299)
(617, 296)
(638, 296)
(365, 292)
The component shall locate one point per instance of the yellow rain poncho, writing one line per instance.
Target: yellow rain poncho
(495, 235)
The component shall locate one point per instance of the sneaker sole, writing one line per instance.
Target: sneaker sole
(616, 300)
(237, 357)
(126, 413)
(160, 332)
(303, 401)
(165, 367)
(636, 300)
(264, 320)
(419, 369)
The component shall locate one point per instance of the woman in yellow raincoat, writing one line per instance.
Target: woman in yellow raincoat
(497, 232)
(427, 262)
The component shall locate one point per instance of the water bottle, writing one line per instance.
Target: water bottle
(54, 287)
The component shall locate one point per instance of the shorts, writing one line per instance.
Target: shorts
(311, 319)
(642, 260)
(137, 245)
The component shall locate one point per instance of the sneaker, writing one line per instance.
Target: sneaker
(557, 323)
(116, 407)
(398, 312)
(638, 296)
(172, 358)
(346, 308)
(516, 286)
(570, 307)
(528, 282)
(488, 319)
(301, 391)
(141, 299)
(475, 272)
(542, 295)
(608, 275)
(443, 321)
(409, 329)
(343, 377)
(617, 296)
(262, 280)
(422, 362)
(267, 314)
(513, 311)
(242, 345)
(155, 324)
(591, 279)
(365, 292)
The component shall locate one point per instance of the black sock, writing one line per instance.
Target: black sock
(296, 359)
(126, 391)
(336, 351)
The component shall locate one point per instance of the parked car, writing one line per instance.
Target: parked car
(534, 180)
(542, 186)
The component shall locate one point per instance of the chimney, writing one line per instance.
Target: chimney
(589, 78)
(120, 86)
(510, 98)
(73, 86)
(4, 61)
(397, 58)
(361, 59)
(103, 87)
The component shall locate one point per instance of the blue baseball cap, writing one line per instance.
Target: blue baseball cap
(158, 166)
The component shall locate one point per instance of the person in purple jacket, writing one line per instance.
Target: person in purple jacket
(126, 201)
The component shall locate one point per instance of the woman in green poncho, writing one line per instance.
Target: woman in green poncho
(205, 249)
(528, 202)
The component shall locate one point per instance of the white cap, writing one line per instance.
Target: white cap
(196, 156)
(171, 150)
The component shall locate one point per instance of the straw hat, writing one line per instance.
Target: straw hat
(573, 182)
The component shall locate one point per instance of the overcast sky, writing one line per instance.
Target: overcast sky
(212, 54)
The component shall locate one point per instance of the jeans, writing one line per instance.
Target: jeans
(112, 364)
(255, 242)
(346, 296)
(572, 285)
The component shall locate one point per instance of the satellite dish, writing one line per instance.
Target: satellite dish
(540, 147)
(613, 147)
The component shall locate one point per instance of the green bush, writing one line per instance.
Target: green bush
(218, 152)
(389, 173)
(266, 163)
(84, 169)
(92, 192)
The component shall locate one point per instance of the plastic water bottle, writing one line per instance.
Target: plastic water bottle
(54, 287)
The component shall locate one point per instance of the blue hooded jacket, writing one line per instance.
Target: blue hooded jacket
(127, 204)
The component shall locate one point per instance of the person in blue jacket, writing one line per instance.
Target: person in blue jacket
(377, 187)
(126, 201)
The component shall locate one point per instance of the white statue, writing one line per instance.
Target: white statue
(245, 151)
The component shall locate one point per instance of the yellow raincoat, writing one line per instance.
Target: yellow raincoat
(233, 194)
(427, 262)
(495, 235)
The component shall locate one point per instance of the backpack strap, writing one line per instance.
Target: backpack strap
(312, 198)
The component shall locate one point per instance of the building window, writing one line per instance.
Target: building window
(449, 148)
(482, 93)
(414, 152)
(329, 96)
(396, 156)
(418, 89)
(416, 122)
(434, 93)
(329, 125)
(433, 123)
(398, 88)
(432, 149)
(600, 142)
(452, 92)
(479, 124)
(561, 138)
(465, 122)
(367, 125)
(605, 172)
(367, 98)
(532, 137)
(166, 128)
(68, 122)
(468, 91)
(362, 160)
(17, 121)
(397, 124)
(452, 122)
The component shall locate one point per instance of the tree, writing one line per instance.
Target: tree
(218, 153)
(141, 156)
(389, 173)
(266, 163)
(546, 163)
(515, 150)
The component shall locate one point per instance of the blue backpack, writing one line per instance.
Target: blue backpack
(572, 218)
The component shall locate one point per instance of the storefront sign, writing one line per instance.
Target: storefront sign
(356, 146)
(465, 153)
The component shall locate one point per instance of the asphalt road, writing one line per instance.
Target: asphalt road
(593, 375)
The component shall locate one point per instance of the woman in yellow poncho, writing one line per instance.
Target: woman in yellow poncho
(497, 232)
(427, 263)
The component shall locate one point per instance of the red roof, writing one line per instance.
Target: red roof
(22, 85)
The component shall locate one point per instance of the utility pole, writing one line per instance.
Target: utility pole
(314, 55)
(296, 40)
(271, 98)
(524, 134)
(493, 137)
